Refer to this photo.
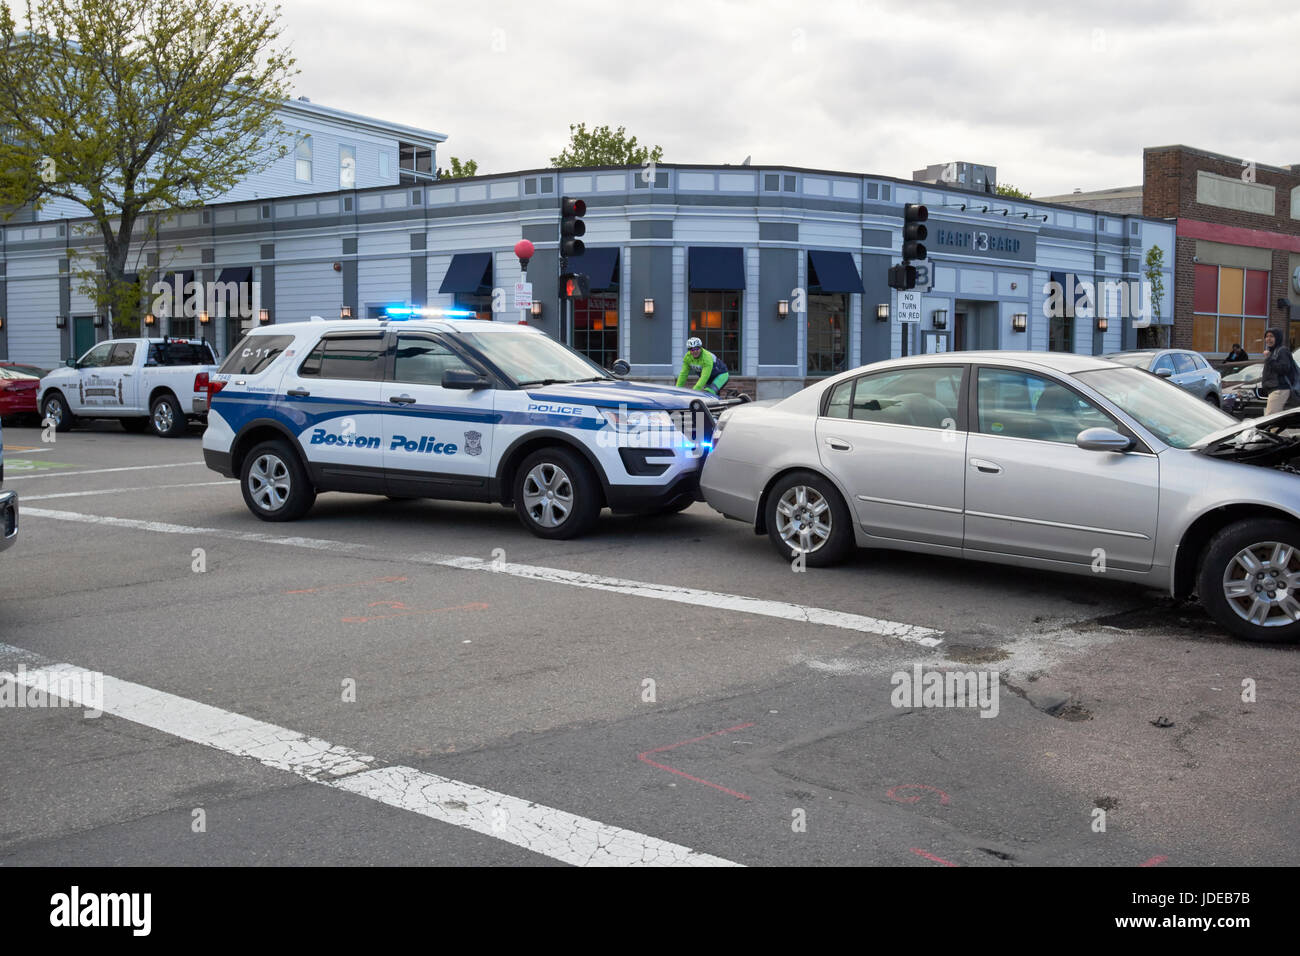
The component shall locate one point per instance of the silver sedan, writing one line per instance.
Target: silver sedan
(1042, 460)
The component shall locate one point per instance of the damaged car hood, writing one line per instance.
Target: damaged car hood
(1271, 440)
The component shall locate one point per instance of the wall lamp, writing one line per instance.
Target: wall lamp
(1102, 323)
(782, 307)
(60, 321)
(345, 312)
(149, 319)
(264, 315)
(939, 318)
(2, 322)
(882, 312)
(1019, 321)
(649, 308)
(536, 309)
(1003, 211)
(99, 321)
(204, 318)
(1042, 216)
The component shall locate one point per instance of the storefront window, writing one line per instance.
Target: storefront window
(1060, 334)
(828, 340)
(715, 321)
(1229, 306)
(480, 305)
(595, 327)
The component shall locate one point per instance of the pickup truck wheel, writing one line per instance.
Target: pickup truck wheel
(556, 495)
(134, 425)
(55, 409)
(166, 417)
(275, 484)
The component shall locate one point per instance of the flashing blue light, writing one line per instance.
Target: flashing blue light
(399, 310)
(708, 445)
(460, 313)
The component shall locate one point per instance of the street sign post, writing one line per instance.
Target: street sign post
(908, 308)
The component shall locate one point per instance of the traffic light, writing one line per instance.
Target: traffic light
(914, 231)
(575, 285)
(572, 227)
(902, 276)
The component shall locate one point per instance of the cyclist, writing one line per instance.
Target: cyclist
(713, 371)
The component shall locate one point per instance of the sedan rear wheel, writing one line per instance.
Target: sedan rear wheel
(1250, 580)
(806, 516)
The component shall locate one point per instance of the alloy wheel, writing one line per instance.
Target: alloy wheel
(803, 519)
(548, 495)
(1262, 582)
(269, 482)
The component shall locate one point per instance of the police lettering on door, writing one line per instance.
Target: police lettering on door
(425, 445)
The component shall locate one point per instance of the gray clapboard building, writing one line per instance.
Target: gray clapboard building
(780, 270)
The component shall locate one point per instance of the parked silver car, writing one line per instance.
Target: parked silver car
(1187, 369)
(1043, 460)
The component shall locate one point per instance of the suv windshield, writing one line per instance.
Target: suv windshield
(533, 359)
(1173, 415)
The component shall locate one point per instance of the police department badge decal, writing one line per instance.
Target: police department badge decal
(473, 443)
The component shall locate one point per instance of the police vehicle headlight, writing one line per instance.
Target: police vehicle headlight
(636, 420)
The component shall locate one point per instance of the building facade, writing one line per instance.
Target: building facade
(780, 270)
(1238, 245)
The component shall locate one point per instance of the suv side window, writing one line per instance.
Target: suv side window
(357, 358)
(925, 397)
(1183, 363)
(421, 360)
(1017, 404)
(97, 357)
(123, 354)
(1163, 362)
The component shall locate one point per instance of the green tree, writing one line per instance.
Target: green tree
(134, 108)
(459, 170)
(1155, 263)
(1011, 192)
(603, 146)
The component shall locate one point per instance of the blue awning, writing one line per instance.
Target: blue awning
(833, 271)
(469, 272)
(600, 265)
(713, 267)
(236, 274)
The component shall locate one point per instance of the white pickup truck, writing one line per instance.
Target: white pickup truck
(156, 384)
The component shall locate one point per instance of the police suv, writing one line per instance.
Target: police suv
(460, 410)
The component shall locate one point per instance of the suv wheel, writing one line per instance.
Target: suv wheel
(275, 484)
(555, 493)
(1250, 580)
(805, 514)
(55, 409)
(166, 417)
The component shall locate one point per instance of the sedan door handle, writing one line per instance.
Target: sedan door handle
(298, 393)
(838, 444)
(401, 399)
(987, 467)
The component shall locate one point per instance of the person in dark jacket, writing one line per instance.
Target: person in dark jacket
(1279, 372)
(1238, 354)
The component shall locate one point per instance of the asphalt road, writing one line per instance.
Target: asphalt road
(463, 693)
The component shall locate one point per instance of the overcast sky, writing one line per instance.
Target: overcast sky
(1057, 95)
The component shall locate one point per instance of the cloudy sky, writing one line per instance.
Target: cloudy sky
(1057, 95)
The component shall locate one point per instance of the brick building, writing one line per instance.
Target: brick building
(1237, 252)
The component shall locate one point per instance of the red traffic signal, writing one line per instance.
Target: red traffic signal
(572, 226)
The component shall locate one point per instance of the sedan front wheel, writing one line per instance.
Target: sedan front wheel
(1250, 580)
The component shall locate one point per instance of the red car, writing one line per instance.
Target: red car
(17, 393)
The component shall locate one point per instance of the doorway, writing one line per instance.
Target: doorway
(83, 335)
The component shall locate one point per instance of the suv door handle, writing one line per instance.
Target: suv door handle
(988, 467)
(401, 399)
(839, 444)
(298, 393)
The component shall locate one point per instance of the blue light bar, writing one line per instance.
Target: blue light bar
(408, 312)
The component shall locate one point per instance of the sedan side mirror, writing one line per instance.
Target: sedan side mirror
(1165, 372)
(1103, 439)
(620, 368)
(463, 378)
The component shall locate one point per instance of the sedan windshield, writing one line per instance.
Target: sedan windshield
(534, 359)
(1174, 416)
